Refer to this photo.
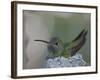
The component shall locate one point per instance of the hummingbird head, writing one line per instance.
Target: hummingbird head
(54, 41)
(53, 45)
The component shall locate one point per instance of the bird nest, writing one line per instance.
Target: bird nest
(74, 61)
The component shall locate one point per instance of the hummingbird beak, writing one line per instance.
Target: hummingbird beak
(43, 41)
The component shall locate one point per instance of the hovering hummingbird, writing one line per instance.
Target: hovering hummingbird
(56, 47)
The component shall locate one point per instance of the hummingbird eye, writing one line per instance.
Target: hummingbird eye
(56, 43)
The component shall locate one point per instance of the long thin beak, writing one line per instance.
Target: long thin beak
(43, 41)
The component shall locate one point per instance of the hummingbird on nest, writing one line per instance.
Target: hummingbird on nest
(57, 48)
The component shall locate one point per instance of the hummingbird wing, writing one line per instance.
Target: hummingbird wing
(77, 43)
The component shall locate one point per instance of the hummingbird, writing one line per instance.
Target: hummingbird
(56, 47)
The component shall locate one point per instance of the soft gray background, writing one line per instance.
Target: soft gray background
(44, 25)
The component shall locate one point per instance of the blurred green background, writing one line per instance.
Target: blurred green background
(68, 25)
(67, 29)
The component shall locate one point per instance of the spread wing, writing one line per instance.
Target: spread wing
(77, 43)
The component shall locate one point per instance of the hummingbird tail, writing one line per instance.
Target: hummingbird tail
(82, 33)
